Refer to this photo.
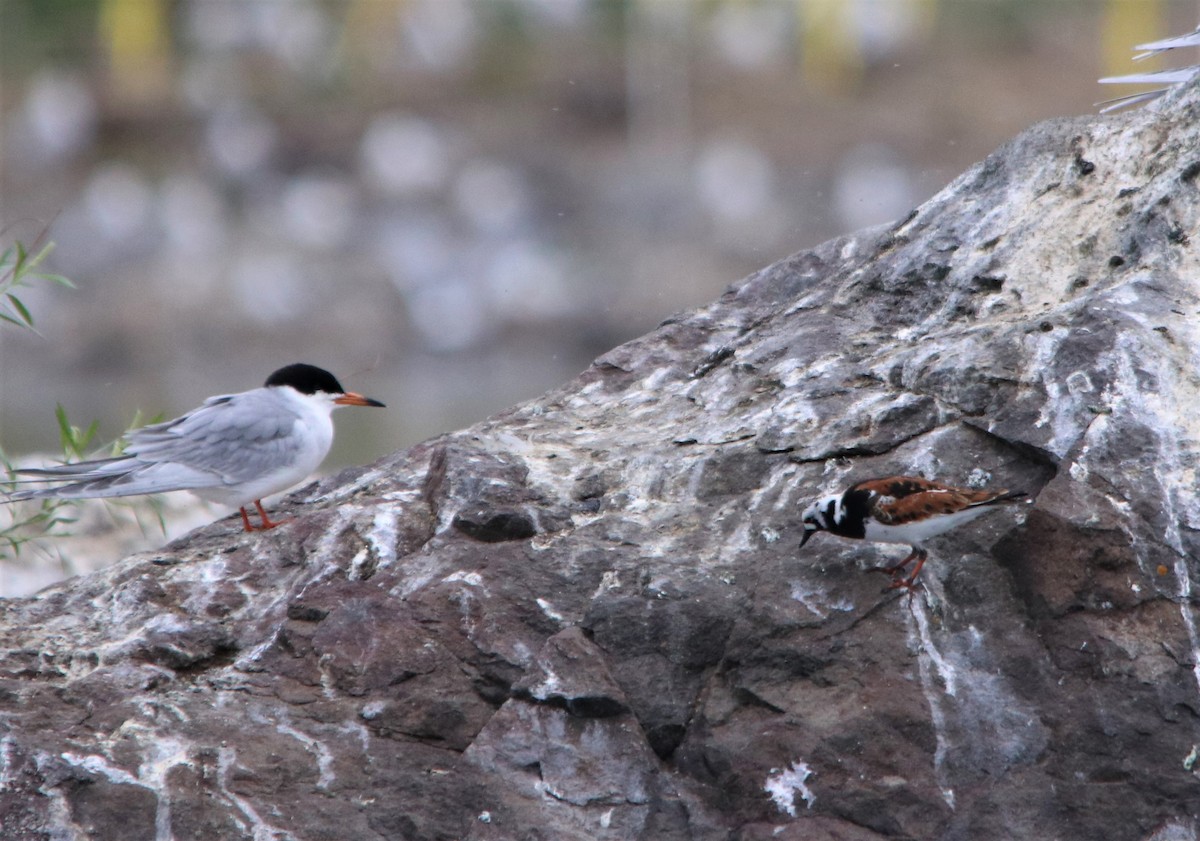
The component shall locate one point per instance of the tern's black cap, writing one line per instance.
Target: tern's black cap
(306, 379)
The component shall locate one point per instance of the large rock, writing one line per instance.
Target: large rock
(587, 618)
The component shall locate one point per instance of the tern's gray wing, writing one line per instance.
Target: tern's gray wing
(236, 437)
(227, 440)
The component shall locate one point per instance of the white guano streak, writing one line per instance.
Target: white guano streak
(929, 658)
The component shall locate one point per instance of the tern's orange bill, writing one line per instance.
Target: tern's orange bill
(352, 399)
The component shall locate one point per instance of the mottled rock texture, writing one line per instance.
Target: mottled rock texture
(587, 618)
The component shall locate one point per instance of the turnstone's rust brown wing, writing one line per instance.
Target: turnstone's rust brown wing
(898, 487)
(905, 499)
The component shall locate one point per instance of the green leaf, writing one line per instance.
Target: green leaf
(66, 435)
(88, 435)
(21, 309)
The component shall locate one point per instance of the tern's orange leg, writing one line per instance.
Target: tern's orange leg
(267, 523)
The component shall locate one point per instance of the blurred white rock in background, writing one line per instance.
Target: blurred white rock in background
(733, 179)
(751, 36)
(269, 286)
(558, 13)
(240, 139)
(404, 155)
(526, 283)
(297, 31)
(218, 26)
(449, 315)
(57, 118)
(415, 250)
(192, 215)
(209, 81)
(881, 30)
(872, 186)
(491, 196)
(440, 34)
(320, 211)
(117, 198)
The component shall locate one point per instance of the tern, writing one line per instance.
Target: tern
(234, 449)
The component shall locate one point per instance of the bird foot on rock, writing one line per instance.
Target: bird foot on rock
(265, 522)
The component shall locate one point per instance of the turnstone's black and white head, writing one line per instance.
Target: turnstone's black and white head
(900, 509)
(822, 515)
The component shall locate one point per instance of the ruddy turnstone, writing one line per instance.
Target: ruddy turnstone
(901, 509)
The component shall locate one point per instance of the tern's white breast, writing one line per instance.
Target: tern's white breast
(292, 459)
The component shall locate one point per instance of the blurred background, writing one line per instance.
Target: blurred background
(455, 205)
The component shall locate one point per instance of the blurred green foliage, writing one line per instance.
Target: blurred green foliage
(20, 268)
(36, 32)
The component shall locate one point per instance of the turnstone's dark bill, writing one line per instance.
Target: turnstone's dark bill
(901, 509)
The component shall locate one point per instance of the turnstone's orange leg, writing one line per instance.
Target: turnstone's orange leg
(892, 569)
(910, 583)
(246, 520)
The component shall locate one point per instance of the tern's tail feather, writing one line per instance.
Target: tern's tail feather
(80, 477)
(63, 472)
(120, 476)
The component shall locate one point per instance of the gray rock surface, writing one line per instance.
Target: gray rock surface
(588, 619)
